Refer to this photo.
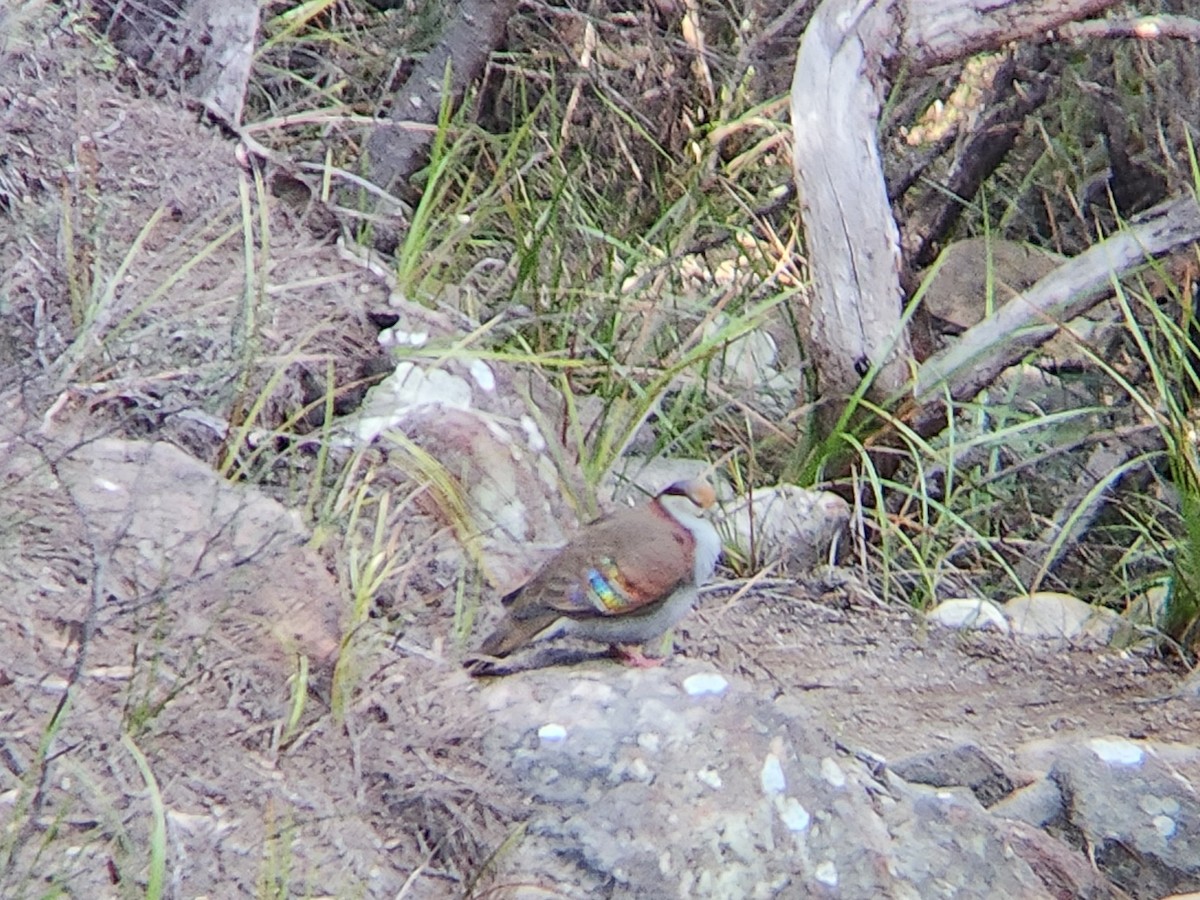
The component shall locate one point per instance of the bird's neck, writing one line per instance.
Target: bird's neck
(706, 543)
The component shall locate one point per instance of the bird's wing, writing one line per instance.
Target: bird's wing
(617, 566)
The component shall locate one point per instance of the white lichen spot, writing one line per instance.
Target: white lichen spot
(483, 375)
(398, 337)
(639, 771)
(832, 772)
(406, 389)
(773, 781)
(105, 485)
(793, 814)
(664, 862)
(1117, 751)
(705, 683)
(533, 435)
(826, 873)
(551, 732)
(648, 740)
(741, 838)
(1164, 825)
(1153, 805)
(711, 777)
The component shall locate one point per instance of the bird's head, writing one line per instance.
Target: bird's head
(688, 499)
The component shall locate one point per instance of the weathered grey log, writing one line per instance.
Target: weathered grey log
(851, 239)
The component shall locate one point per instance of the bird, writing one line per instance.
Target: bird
(623, 580)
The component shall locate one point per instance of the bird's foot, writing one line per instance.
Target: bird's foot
(632, 655)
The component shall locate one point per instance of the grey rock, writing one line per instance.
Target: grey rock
(1047, 614)
(1038, 804)
(634, 478)
(1190, 686)
(788, 524)
(968, 613)
(1134, 804)
(965, 765)
(485, 430)
(638, 788)
(169, 526)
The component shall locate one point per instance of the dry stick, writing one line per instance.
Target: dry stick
(1144, 27)
(942, 31)
(1103, 461)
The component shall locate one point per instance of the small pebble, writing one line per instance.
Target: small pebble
(793, 814)
(648, 740)
(832, 772)
(1164, 825)
(482, 373)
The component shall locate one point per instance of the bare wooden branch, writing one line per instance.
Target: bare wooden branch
(940, 31)
(851, 236)
(1146, 28)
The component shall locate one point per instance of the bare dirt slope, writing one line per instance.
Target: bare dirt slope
(890, 683)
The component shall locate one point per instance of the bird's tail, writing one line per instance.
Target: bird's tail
(512, 633)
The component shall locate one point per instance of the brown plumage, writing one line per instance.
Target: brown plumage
(624, 579)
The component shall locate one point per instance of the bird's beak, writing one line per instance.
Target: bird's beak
(703, 495)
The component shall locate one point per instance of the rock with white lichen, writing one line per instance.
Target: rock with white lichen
(477, 427)
(681, 782)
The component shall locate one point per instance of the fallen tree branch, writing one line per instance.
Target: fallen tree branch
(942, 31)
(396, 150)
(1032, 317)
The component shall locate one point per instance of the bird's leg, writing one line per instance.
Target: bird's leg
(632, 655)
